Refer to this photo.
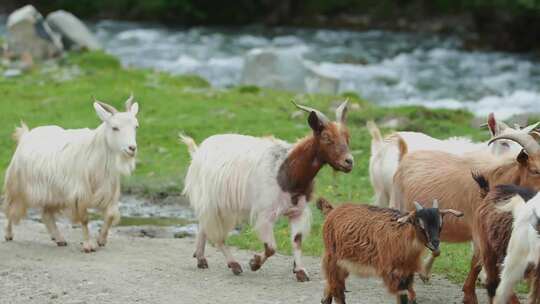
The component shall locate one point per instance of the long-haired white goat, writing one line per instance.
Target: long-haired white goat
(233, 178)
(387, 152)
(55, 169)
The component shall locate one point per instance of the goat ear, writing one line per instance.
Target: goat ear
(316, 123)
(522, 157)
(103, 110)
(341, 112)
(451, 211)
(492, 124)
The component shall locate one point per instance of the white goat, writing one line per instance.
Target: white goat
(234, 177)
(386, 153)
(56, 169)
(523, 249)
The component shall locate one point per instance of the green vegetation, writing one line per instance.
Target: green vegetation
(170, 104)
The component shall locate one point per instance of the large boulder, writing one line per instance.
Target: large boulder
(285, 69)
(28, 33)
(75, 35)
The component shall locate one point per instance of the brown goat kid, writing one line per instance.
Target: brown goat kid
(427, 175)
(492, 230)
(372, 241)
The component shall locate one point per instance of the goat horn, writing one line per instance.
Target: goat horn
(435, 203)
(341, 111)
(321, 116)
(129, 101)
(405, 218)
(530, 128)
(525, 140)
(451, 211)
(418, 206)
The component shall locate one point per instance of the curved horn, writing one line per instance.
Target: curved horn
(418, 206)
(525, 140)
(321, 116)
(451, 211)
(405, 218)
(341, 112)
(530, 128)
(129, 102)
(105, 106)
(435, 203)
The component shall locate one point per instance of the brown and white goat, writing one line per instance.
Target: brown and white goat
(428, 175)
(235, 178)
(492, 230)
(372, 241)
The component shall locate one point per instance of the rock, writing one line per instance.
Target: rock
(185, 231)
(75, 35)
(285, 69)
(27, 31)
(318, 82)
(12, 73)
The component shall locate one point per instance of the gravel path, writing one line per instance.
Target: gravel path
(161, 270)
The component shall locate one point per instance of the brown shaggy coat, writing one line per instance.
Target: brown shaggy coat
(367, 240)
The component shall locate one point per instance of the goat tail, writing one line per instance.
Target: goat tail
(482, 183)
(324, 206)
(189, 142)
(376, 136)
(402, 146)
(20, 131)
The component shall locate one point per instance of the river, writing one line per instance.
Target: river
(384, 67)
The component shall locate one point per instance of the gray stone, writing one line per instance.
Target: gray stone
(285, 69)
(27, 32)
(75, 34)
(12, 73)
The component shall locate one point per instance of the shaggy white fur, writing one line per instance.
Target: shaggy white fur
(55, 169)
(523, 248)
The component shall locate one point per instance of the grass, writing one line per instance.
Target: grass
(170, 104)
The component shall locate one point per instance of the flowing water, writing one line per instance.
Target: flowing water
(384, 67)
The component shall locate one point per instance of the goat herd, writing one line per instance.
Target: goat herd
(427, 191)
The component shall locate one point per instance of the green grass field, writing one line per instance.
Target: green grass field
(172, 104)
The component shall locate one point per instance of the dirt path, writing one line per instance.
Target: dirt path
(143, 270)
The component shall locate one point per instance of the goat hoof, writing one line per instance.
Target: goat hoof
(9, 238)
(202, 263)
(61, 244)
(403, 299)
(255, 263)
(425, 278)
(301, 276)
(327, 300)
(469, 299)
(101, 243)
(235, 268)
(88, 248)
